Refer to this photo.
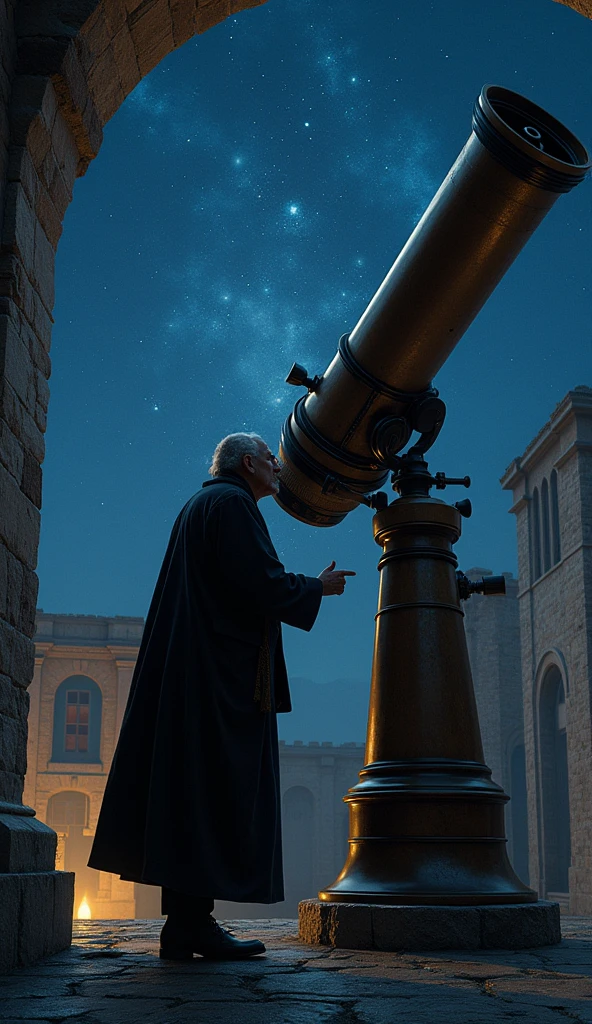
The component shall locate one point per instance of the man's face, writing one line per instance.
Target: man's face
(264, 470)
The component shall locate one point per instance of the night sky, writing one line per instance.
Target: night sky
(247, 201)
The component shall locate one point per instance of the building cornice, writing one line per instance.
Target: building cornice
(87, 652)
(576, 403)
(123, 653)
(42, 649)
(574, 449)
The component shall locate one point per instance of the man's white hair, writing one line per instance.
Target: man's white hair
(229, 453)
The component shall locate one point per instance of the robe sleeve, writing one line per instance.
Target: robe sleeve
(246, 559)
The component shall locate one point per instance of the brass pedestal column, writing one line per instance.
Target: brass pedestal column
(426, 820)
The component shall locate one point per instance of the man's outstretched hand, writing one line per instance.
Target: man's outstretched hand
(333, 579)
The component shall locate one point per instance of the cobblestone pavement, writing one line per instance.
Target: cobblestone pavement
(112, 975)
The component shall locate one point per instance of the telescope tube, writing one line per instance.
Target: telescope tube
(515, 164)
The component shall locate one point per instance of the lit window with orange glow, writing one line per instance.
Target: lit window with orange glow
(77, 720)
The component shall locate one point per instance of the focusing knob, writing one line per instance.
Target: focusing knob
(427, 413)
(489, 585)
(298, 376)
(464, 507)
(442, 481)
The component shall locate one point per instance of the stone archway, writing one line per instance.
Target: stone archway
(65, 68)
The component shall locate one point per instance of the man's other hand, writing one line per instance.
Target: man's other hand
(333, 579)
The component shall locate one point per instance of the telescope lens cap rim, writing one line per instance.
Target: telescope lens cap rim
(498, 136)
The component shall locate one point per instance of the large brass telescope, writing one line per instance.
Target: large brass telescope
(426, 819)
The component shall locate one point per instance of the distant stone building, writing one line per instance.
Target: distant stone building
(492, 628)
(552, 489)
(83, 671)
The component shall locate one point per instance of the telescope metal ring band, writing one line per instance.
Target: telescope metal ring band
(308, 465)
(392, 556)
(302, 420)
(524, 166)
(357, 370)
(418, 604)
(427, 839)
(420, 765)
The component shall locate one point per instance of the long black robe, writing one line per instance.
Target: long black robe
(192, 801)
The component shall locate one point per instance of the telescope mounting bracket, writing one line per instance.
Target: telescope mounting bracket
(412, 478)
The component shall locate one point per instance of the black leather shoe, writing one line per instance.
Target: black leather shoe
(210, 941)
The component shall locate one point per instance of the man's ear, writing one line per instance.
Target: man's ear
(248, 463)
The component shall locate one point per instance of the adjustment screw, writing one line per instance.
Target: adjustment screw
(464, 507)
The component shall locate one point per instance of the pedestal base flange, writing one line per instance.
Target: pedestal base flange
(35, 916)
(397, 928)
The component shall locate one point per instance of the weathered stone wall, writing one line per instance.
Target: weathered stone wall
(556, 628)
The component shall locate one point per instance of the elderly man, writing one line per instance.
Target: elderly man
(192, 802)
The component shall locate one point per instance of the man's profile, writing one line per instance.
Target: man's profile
(192, 802)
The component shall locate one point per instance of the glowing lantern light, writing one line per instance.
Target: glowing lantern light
(84, 913)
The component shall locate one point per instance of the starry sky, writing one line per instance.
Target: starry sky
(248, 199)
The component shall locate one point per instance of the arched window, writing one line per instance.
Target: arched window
(556, 548)
(554, 783)
(536, 535)
(70, 807)
(77, 721)
(546, 524)
(68, 813)
(298, 845)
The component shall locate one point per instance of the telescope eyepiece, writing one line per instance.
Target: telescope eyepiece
(489, 586)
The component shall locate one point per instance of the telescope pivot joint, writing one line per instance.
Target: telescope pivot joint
(377, 501)
(412, 478)
(487, 585)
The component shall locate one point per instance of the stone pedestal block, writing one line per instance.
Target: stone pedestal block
(35, 916)
(36, 902)
(403, 928)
